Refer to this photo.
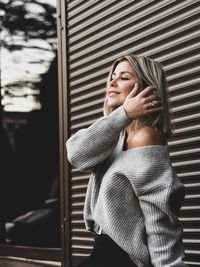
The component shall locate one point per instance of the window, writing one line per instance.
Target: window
(29, 134)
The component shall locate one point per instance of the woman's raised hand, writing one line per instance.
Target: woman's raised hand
(137, 105)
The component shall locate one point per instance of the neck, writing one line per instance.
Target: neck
(132, 128)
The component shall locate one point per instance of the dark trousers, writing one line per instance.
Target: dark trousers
(106, 253)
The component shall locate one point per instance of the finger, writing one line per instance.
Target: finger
(153, 110)
(152, 105)
(151, 98)
(147, 91)
(134, 91)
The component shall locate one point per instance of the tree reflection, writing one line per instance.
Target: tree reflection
(29, 146)
(28, 45)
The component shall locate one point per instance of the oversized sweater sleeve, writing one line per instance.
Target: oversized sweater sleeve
(160, 195)
(91, 146)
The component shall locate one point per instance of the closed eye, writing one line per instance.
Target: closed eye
(124, 78)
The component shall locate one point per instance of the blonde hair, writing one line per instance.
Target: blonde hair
(150, 72)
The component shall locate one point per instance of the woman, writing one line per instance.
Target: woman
(133, 195)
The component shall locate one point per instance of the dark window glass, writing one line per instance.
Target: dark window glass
(29, 162)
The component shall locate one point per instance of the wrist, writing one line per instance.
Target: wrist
(127, 112)
(118, 119)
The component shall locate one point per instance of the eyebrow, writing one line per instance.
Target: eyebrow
(123, 72)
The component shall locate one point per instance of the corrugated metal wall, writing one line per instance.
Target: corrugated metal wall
(167, 30)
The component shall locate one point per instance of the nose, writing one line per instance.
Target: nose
(113, 82)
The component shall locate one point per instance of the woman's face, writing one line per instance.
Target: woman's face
(122, 83)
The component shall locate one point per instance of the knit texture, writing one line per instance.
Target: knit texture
(134, 195)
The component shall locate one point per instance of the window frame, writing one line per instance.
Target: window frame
(62, 254)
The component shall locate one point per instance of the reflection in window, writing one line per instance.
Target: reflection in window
(29, 197)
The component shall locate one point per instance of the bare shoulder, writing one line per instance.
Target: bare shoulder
(148, 136)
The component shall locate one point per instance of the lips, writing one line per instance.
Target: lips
(113, 93)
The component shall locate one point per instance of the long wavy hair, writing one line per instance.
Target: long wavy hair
(149, 72)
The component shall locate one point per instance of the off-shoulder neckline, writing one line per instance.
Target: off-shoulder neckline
(149, 147)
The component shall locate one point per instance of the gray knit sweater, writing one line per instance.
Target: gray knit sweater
(134, 195)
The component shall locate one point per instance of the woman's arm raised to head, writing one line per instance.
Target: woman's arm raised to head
(91, 146)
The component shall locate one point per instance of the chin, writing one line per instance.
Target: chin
(113, 107)
(113, 104)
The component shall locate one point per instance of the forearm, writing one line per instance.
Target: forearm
(164, 231)
(160, 195)
(89, 147)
